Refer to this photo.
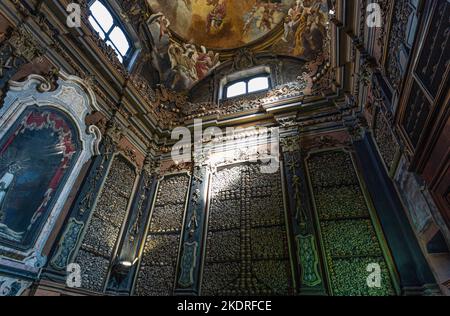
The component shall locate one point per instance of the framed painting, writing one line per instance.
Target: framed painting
(36, 156)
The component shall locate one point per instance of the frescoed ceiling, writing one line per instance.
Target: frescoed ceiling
(191, 37)
(223, 24)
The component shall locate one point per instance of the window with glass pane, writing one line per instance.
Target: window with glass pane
(247, 86)
(237, 89)
(258, 84)
(109, 29)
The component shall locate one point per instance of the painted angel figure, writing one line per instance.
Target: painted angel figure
(159, 27)
(216, 16)
(263, 14)
(251, 17)
(268, 15)
(182, 65)
(206, 60)
(162, 29)
(293, 19)
(311, 31)
(163, 22)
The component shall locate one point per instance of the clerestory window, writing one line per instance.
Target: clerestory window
(247, 86)
(110, 29)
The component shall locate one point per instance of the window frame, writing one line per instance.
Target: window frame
(246, 80)
(117, 22)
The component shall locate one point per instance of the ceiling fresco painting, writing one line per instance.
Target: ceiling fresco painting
(183, 57)
(305, 30)
(223, 24)
(180, 65)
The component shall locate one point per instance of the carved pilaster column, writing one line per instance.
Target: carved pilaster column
(125, 268)
(190, 261)
(301, 216)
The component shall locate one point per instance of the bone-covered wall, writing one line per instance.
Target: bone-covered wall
(362, 179)
(350, 234)
(98, 247)
(157, 271)
(247, 249)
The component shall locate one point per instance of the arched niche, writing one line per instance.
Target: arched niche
(44, 143)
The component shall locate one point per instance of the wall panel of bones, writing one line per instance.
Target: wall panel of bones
(157, 271)
(247, 250)
(355, 118)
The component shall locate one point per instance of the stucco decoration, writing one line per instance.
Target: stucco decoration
(74, 100)
(12, 287)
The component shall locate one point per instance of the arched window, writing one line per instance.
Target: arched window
(247, 86)
(110, 30)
